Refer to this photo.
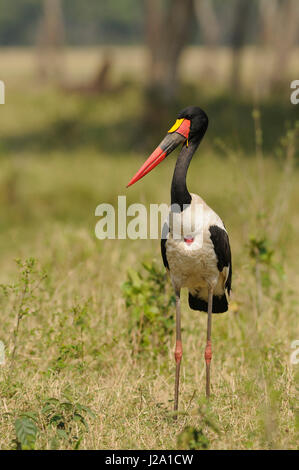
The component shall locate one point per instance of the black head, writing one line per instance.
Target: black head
(190, 126)
(199, 121)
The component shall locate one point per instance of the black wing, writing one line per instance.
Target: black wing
(165, 232)
(221, 244)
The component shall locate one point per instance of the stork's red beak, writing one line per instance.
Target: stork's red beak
(178, 134)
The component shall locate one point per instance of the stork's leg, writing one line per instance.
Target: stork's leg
(178, 349)
(208, 350)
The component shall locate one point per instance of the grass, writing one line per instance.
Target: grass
(73, 377)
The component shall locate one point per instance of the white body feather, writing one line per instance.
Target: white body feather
(194, 265)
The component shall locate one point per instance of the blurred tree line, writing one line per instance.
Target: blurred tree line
(86, 22)
(165, 27)
(123, 21)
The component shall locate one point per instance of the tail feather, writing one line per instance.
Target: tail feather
(196, 302)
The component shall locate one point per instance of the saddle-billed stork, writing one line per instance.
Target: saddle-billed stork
(198, 256)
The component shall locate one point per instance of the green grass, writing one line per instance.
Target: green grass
(76, 380)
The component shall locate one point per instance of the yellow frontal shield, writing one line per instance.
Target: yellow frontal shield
(176, 125)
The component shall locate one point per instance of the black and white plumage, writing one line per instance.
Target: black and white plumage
(197, 269)
(198, 255)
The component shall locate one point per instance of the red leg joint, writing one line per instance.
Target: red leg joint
(208, 352)
(178, 351)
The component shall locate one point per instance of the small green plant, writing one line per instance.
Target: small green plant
(26, 432)
(66, 419)
(195, 438)
(259, 250)
(24, 293)
(150, 304)
(67, 353)
(81, 323)
(192, 439)
(69, 338)
(262, 256)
